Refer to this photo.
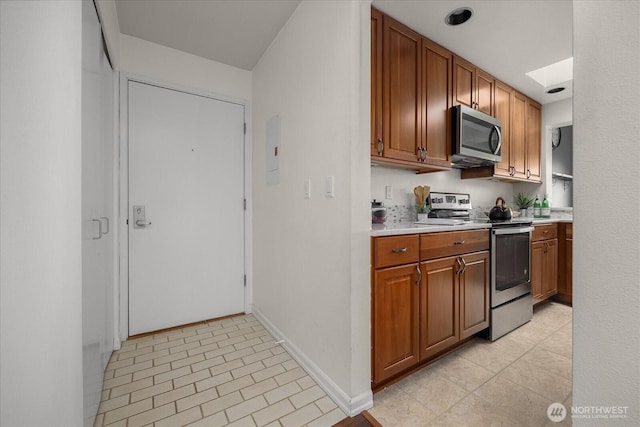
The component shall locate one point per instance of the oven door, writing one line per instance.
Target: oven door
(510, 264)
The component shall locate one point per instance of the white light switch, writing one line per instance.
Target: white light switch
(387, 192)
(307, 188)
(328, 187)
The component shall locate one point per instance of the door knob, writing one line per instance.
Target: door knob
(139, 217)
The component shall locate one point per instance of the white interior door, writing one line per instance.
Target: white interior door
(186, 168)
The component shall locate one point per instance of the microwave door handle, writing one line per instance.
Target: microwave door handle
(497, 129)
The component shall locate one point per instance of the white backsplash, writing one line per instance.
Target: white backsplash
(483, 191)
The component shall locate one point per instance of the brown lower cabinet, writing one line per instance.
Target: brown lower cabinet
(426, 306)
(565, 263)
(454, 301)
(396, 315)
(544, 262)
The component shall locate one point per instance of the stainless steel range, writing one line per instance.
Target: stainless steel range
(511, 300)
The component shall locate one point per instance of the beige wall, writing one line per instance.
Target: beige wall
(310, 258)
(606, 278)
(175, 67)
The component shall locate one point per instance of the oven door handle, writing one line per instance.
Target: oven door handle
(511, 230)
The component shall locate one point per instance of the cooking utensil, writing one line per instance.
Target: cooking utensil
(500, 211)
(421, 192)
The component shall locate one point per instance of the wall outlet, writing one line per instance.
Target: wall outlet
(387, 192)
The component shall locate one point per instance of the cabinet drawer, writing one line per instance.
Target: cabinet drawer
(448, 243)
(544, 232)
(395, 250)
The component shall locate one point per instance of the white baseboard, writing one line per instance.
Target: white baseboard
(351, 406)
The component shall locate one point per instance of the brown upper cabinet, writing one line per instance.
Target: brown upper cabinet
(472, 86)
(401, 88)
(436, 102)
(521, 121)
(415, 82)
(376, 81)
(533, 122)
(410, 97)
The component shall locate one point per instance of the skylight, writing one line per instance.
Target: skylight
(553, 74)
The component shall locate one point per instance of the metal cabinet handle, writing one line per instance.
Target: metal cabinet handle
(399, 250)
(459, 270)
(99, 229)
(106, 222)
(419, 280)
(461, 242)
(528, 173)
(464, 265)
(425, 154)
(545, 232)
(380, 147)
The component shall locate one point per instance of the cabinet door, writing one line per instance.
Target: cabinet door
(550, 268)
(502, 110)
(517, 150)
(436, 101)
(474, 294)
(463, 82)
(401, 91)
(533, 142)
(537, 275)
(395, 320)
(484, 92)
(439, 306)
(376, 81)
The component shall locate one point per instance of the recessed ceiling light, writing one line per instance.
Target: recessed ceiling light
(555, 90)
(459, 16)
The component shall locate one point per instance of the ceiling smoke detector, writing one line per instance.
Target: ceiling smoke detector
(459, 16)
(555, 90)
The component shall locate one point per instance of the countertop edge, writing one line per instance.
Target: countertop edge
(411, 228)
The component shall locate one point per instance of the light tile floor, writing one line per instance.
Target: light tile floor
(229, 372)
(510, 382)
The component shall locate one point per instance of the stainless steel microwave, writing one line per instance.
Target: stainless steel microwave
(477, 140)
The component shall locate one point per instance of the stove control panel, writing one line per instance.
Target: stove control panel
(449, 201)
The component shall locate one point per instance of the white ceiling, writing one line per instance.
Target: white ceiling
(505, 38)
(234, 32)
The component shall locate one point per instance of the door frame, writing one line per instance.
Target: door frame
(122, 172)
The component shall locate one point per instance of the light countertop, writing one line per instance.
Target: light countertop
(399, 228)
